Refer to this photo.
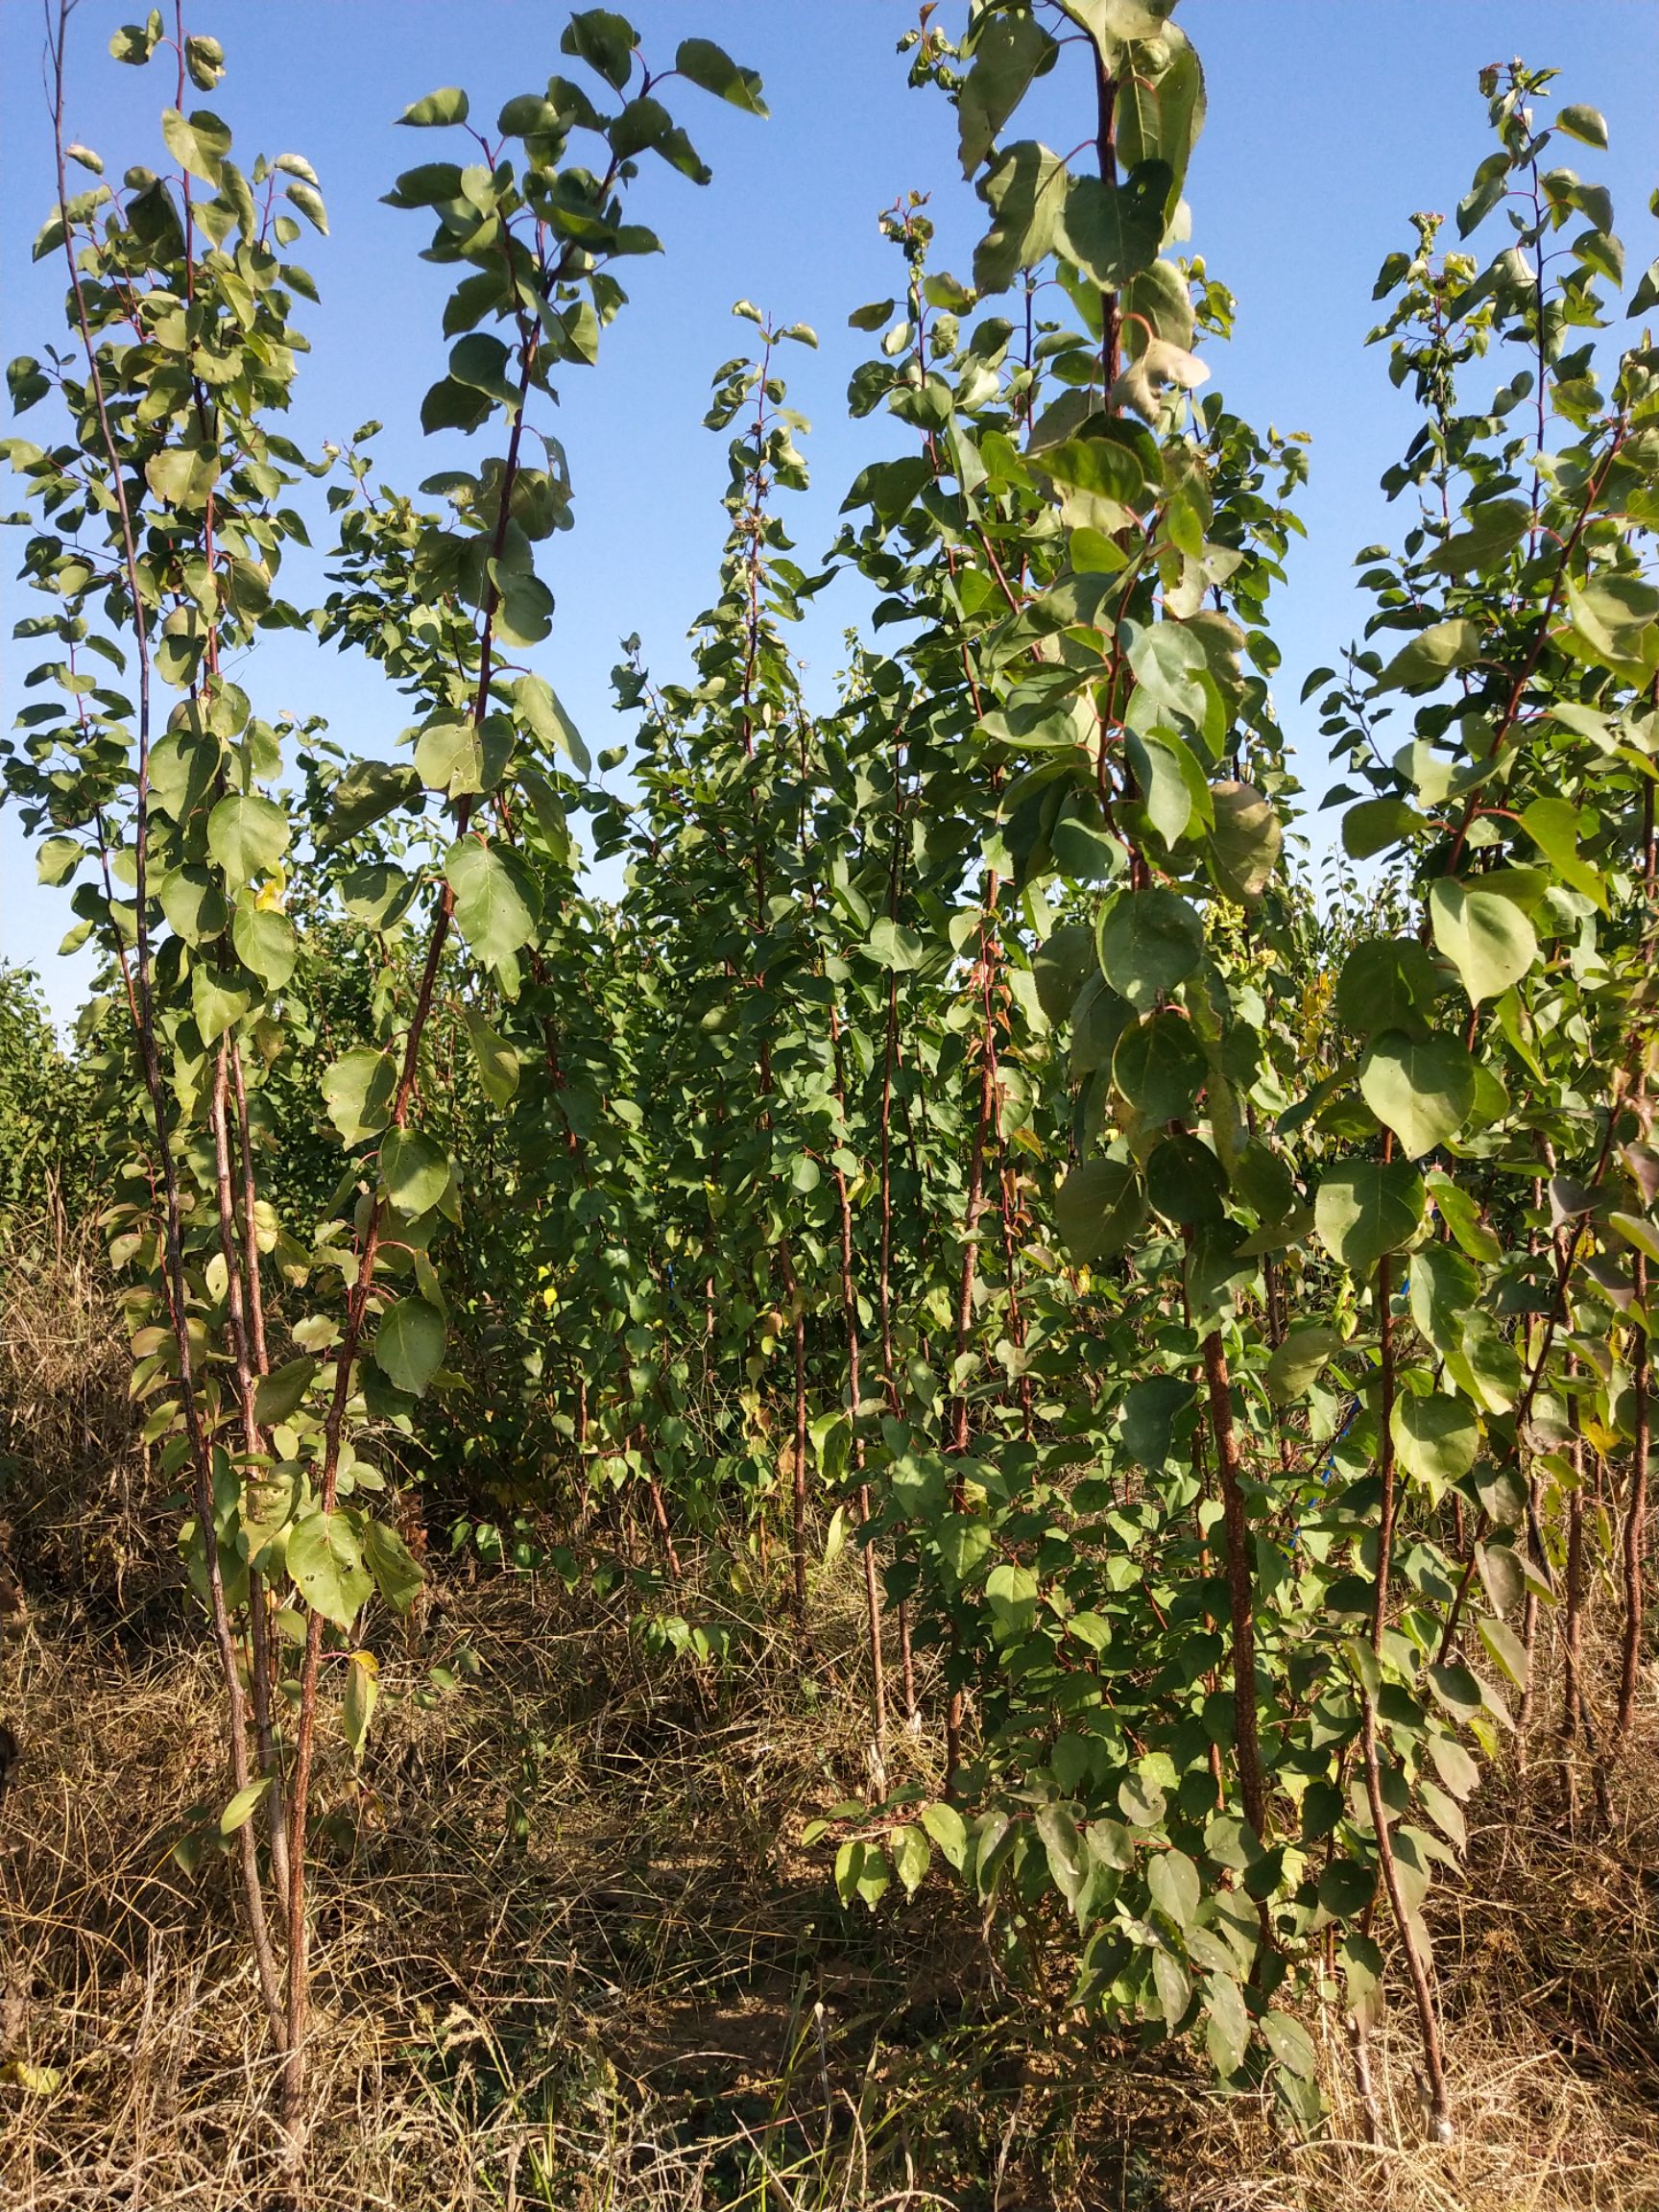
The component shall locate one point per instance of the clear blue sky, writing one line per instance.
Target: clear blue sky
(1329, 120)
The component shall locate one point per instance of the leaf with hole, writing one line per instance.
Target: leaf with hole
(325, 1561)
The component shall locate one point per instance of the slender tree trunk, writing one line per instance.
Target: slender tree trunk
(849, 1308)
(1240, 1582)
(1634, 1546)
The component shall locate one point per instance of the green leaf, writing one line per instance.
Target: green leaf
(357, 1705)
(1445, 1289)
(1458, 1690)
(1158, 1065)
(264, 941)
(1062, 967)
(377, 894)
(1290, 2044)
(1114, 231)
(495, 899)
(1098, 1208)
(1026, 190)
(890, 945)
(449, 757)
(1463, 1218)
(448, 104)
(523, 606)
(1008, 52)
(183, 475)
(1099, 464)
(310, 202)
(1365, 1209)
(1375, 824)
(1172, 1987)
(1308, 1349)
(1170, 667)
(198, 145)
(247, 836)
(1227, 2030)
(1431, 655)
(325, 1560)
(1421, 1088)
(1173, 1881)
(134, 42)
(1489, 531)
(1011, 1598)
(243, 1806)
(205, 60)
(545, 718)
(367, 790)
(1387, 983)
(1186, 1182)
(193, 903)
(218, 997)
(415, 1170)
(1246, 842)
(409, 1345)
(498, 1062)
(945, 1825)
(1588, 124)
(280, 1394)
(451, 405)
(1486, 936)
(26, 382)
(1150, 1410)
(397, 1572)
(1454, 1765)
(1435, 1439)
(605, 40)
(1346, 1887)
(1556, 826)
(703, 63)
(358, 1090)
(1147, 942)
(910, 1857)
(1064, 1850)
(1506, 1649)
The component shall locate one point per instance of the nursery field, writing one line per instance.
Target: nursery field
(878, 1441)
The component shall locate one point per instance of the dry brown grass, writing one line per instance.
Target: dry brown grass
(77, 1515)
(570, 1954)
